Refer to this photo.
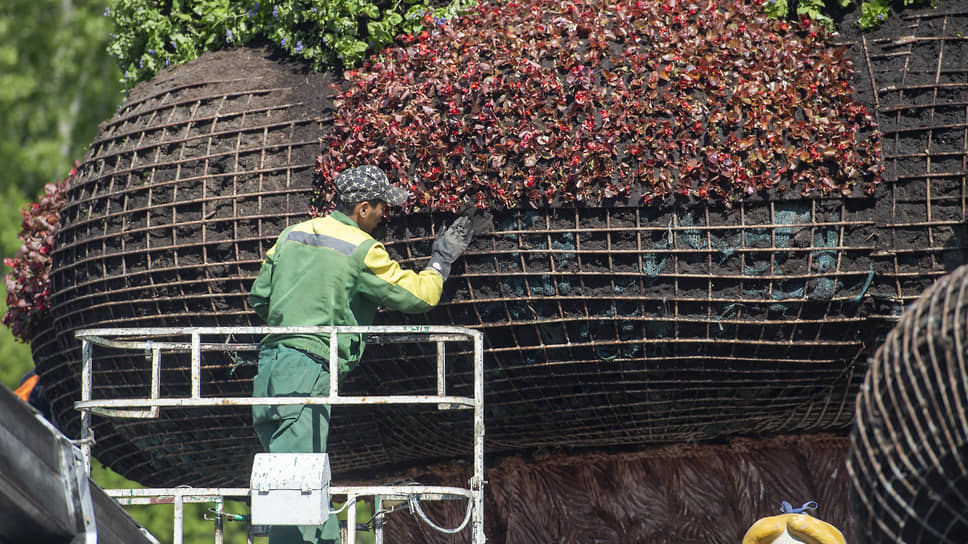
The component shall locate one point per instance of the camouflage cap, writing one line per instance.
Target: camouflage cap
(368, 183)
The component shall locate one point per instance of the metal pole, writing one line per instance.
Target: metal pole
(351, 519)
(378, 519)
(441, 370)
(155, 378)
(333, 363)
(478, 484)
(219, 506)
(86, 371)
(196, 366)
(179, 519)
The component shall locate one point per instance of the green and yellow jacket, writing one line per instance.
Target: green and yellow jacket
(327, 271)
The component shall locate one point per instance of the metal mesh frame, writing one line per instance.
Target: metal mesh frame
(918, 85)
(908, 477)
(604, 327)
(641, 325)
(909, 445)
(169, 217)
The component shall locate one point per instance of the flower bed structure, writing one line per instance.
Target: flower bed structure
(609, 326)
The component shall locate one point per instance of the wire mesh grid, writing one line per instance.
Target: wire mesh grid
(908, 461)
(919, 87)
(604, 327)
(616, 326)
(168, 217)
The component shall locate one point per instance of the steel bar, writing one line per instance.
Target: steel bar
(87, 362)
(167, 495)
(378, 519)
(219, 522)
(333, 364)
(196, 366)
(93, 405)
(477, 483)
(179, 502)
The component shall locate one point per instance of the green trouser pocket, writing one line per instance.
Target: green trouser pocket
(288, 372)
(297, 428)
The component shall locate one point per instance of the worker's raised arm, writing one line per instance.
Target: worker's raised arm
(385, 282)
(405, 290)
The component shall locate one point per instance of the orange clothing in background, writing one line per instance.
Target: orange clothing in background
(26, 387)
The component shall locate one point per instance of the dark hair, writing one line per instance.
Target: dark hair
(348, 207)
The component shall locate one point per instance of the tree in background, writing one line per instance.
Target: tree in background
(57, 82)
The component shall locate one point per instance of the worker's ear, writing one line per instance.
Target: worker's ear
(362, 209)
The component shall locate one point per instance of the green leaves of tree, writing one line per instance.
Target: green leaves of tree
(56, 85)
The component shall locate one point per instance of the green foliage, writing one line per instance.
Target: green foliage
(873, 12)
(814, 10)
(329, 33)
(15, 358)
(776, 8)
(56, 85)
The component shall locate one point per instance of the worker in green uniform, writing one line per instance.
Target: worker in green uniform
(331, 271)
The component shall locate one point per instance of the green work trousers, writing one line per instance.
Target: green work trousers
(288, 372)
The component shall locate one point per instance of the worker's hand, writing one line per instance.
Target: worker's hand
(449, 244)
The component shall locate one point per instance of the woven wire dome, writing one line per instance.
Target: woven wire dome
(908, 461)
(605, 328)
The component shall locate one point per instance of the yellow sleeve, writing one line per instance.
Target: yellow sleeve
(387, 283)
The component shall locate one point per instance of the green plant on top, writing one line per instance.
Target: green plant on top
(872, 12)
(150, 35)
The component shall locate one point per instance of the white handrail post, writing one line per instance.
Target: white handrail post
(478, 484)
(196, 365)
(179, 518)
(441, 369)
(155, 379)
(333, 363)
(350, 518)
(87, 362)
(378, 519)
(219, 522)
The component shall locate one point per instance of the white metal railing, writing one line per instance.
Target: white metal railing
(156, 341)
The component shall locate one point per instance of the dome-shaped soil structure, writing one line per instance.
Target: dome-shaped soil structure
(169, 218)
(605, 327)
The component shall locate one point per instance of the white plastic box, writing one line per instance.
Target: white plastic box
(290, 488)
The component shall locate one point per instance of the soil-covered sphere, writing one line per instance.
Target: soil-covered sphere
(606, 327)
(908, 479)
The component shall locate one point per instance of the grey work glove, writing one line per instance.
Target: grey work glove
(449, 244)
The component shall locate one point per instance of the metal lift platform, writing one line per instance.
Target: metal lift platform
(154, 343)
